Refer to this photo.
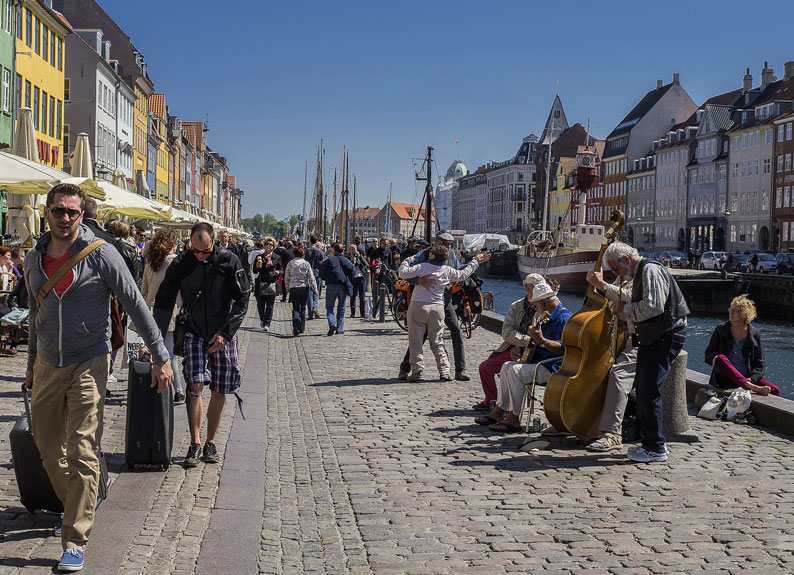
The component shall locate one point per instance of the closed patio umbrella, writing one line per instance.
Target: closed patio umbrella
(119, 178)
(81, 162)
(23, 216)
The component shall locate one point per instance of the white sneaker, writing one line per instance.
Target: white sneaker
(636, 447)
(112, 378)
(641, 455)
(266, 329)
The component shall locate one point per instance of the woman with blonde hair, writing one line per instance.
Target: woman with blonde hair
(735, 351)
(160, 252)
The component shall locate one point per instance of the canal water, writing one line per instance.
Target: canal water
(776, 339)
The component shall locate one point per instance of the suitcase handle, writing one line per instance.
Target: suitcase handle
(27, 403)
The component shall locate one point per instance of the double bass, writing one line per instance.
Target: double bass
(574, 395)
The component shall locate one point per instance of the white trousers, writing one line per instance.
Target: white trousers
(513, 377)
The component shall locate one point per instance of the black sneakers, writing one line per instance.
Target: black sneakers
(192, 457)
(210, 453)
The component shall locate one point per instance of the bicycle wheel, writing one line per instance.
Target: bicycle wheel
(466, 324)
(400, 312)
(475, 321)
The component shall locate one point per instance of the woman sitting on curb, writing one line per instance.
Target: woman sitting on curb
(735, 351)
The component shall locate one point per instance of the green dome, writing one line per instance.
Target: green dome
(457, 170)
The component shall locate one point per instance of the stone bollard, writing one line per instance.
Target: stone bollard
(675, 416)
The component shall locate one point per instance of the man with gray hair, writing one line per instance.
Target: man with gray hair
(658, 311)
(515, 336)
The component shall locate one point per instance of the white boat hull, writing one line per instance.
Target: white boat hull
(568, 269)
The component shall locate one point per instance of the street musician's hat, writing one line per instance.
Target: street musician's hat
(542, 291)
(446, 236)
(534, 279)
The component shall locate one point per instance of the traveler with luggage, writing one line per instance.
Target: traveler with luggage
(214, 288)
(71, 276)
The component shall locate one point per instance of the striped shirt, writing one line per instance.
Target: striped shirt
(655, 290)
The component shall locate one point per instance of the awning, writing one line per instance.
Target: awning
(119, 201)
(21, 176)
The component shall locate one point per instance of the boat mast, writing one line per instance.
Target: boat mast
(303, 213)
(333, 214)
(319, 218)
(354, 205)
(548, 178)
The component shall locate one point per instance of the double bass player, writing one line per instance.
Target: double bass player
(658, 311)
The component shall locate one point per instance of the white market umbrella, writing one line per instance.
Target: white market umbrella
(119, 178)
(141, 187)
(119, 201)
(180, 219)
(81, 162)
(23, 216)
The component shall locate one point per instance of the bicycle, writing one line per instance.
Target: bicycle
(468, 307)
(400, 303)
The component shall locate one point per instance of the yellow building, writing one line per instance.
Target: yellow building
(159, 115)
(40, 63)
(140, 129)
(560, 196)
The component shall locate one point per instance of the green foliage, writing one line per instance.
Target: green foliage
(269, 225)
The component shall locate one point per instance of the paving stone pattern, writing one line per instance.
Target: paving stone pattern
(340, 468)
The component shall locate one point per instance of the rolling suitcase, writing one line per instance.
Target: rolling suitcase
(35, 488)
(150, 419)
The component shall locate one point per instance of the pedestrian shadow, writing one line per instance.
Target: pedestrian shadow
(22, 563)
(355, 382)
(375, 331)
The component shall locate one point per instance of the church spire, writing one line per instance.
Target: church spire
(556, 123)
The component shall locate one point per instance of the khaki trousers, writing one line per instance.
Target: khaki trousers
(513, 377)
(67, 409)
(427, 318)
(619, 384)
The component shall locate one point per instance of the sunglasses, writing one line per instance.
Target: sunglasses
(58, 213)
(195, 251)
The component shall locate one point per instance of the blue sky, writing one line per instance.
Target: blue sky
(389, 79)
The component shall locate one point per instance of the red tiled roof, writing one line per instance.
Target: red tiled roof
(232, 180)
(157, 105)
(408, 211)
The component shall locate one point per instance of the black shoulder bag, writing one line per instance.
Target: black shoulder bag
(181, 319)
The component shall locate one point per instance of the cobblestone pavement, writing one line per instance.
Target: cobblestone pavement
(340, 468)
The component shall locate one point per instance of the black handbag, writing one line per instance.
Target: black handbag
(182, 318)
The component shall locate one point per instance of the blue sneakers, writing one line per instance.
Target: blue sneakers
(71, 560)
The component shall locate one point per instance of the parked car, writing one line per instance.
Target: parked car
(785, 264)
(673, 259)
(711, 260)
(767, 264)
(739, 263)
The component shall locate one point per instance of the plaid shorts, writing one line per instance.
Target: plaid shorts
(220, 369)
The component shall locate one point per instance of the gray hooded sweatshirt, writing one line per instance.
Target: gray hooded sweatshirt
(76, 326)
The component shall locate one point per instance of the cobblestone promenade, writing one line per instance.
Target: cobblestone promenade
(341, 469)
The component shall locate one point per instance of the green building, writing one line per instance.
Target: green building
(7, 75)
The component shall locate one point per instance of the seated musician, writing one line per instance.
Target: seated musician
(621, 375)
(515, 335)
(513, 377)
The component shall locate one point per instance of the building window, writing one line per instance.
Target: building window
(52, 49)
(28, 28)
(60, 54)
(36, 100)
(18, 90)
(788, 130)
(7, 16)
(780, 162)
(65, 139)
(52, 116)
(27, 94)
(780, 133)
(767, 136)
(736, 142)
(44, 112)
(6, 89)
(45, 44)
(37, 37)
(788, 162)
(58, 120)
(19, 21)
(767, 165)
(778, 197)
(67, 88)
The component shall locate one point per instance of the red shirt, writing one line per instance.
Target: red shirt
(52, 265)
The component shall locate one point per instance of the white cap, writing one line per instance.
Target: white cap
(542, 291)
(534, 279)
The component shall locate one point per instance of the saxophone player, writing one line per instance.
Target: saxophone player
(621, 375)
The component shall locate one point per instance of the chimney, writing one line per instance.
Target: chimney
(106, 50)
(658, 84)
(747, 82)
(99, 42)
(766, 76)
(788, 70)
(676, 80)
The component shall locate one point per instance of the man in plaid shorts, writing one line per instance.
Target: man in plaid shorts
(215, 289)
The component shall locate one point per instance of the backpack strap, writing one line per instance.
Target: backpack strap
(65, 268)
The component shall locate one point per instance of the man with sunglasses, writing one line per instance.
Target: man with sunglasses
(69, 357)
(215, 287)
(658, 311)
